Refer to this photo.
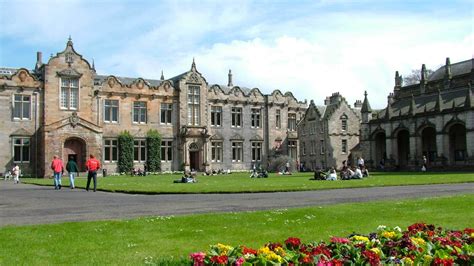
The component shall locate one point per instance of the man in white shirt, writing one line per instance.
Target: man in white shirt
(357, 174)
(360, 162)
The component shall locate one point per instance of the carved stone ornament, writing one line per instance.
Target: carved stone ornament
(74, 119)
(22, 76)
(70, 73)
(111, 82)
(140, 84)
(69, 59)
(193, 78)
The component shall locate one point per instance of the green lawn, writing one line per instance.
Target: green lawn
(155, 239)
(240, 182)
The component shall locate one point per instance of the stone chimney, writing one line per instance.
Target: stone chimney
(326, 101)
(229, 82)
(358, 104)
(39, 59)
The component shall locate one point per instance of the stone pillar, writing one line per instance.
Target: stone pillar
(470, 144)
(414, 151)
(389, 150)
(442, 147)
(204, 155)
(185, 156)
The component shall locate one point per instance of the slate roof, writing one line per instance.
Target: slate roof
(7, 71)
(127, 81)
(459, 68)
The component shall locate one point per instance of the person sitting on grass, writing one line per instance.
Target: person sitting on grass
(254, 172)
(357, 173)
(347, 173)
(332, 176)
(262, 173)
(319, 174)
(365, 172)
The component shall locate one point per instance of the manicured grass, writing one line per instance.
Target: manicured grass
(240, 182)
(169, 238)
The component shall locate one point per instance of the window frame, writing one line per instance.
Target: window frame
(111, 152)
(194, 105)
(110, 111)
(22, 146)
(238, 146)
(68, 95)
(292, 146)
(216, 116)
(217, 151)
(256, 148)
(140, 110)
(291, 122)
(277, 118)
(236, 112)
(166, 112)
(256, 118)
(344, 146)
(21, 103)
(141, 146)
(167, 150)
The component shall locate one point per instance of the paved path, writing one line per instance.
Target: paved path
(30, 204)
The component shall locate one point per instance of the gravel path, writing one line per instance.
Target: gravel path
(31, 204)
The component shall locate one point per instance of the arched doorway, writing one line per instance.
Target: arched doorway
(403, 145)
(75, 148)
(194, 158)
(380, 148)
(457, 143)
(428, 143)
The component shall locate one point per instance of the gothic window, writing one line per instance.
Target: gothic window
(193, 105)
(292, 122)
(110, 150)
(303, 148)
(344, 122)
(69, 93)
(323, 147)
(278, 119)
(166, 112)
(236, 116)
(237, 151)
(216, 116)
(255, 118)
(256, 151)
(166, 151)
(292, 149)
(139, 112)
(21, 150)
(216, 151)
(22, 107)
(139, 151)
(111, 111)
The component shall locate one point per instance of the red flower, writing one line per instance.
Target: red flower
(371, 257)
(273, 246)
(293, 243)
(321, 249)
(444, 262)
(246, 250)
(220, 260)
(306, 259)
(469, 231)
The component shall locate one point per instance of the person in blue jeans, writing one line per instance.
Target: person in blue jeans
(58, 169)
(72, 169)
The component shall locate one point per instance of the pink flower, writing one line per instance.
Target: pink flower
(341, 240)
(198, 258)
(239, 261)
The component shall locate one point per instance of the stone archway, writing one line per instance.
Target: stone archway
(75, 148)
(380, 148)
(457, 143)
(403, 145)
(428, 143)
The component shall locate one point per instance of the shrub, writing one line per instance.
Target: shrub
(153, 147)
(125, 160)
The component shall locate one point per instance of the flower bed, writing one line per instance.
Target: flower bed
(420, 244)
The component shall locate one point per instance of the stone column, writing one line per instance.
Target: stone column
(204, 155)
(414, 156)
(185, 155)
(389, 149)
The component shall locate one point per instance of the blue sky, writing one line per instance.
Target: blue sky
(311, 48)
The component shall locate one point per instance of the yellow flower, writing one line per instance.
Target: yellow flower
(280, 251)
(428, 258)
(376, 251)
(223, 248)
(472, 234)
(264, 250)
(418, 241)
(389, 234)
(360, 238)
(408, 261)
(274, 257)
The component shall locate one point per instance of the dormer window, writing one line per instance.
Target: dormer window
(69, 93)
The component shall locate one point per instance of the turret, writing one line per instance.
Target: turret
(162, 76)
(398, 83)
(439, 102)
(366, 109)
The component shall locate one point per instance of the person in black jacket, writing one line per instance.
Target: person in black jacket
(72, 169)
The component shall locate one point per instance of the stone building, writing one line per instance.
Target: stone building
(63, 107)
(328, 133)
(433, 118)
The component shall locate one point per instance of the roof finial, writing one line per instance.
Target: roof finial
(229, 83)
(412, 105)
(423, 73)
(69, 41)
(365, 105)
(193, 66)
(162, 76)
(93, 64)
(468, 102)
(439, 102)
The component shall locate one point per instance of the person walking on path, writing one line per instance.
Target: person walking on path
(16, 174)
(92, 166)
(58, 169)
(72, 169)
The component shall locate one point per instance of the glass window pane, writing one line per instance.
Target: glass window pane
(17, 153)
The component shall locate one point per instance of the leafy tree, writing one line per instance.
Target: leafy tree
(125, 160)
(153, 146)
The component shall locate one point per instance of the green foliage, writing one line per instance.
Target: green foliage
(125, 160)
(153, 147)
